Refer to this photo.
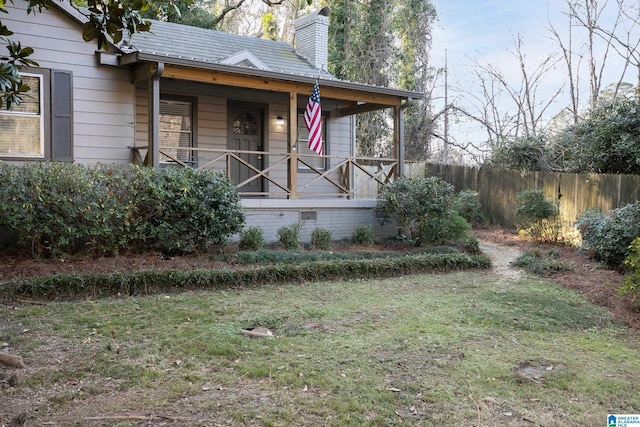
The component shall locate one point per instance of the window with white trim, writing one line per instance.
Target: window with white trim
(22, 127)
(176, 131)
(304, 152)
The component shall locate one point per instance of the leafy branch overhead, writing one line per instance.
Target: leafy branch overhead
(107, 22)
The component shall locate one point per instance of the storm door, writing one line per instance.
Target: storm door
(246, 134)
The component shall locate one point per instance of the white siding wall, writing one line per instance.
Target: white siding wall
(103, 97)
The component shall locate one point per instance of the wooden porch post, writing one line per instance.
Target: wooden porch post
(153, 89)
(398, 140)
(292, 179)
(401, 140)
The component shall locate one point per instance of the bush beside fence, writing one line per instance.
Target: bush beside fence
(574, 193)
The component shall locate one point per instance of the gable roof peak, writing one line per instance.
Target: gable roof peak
(244, 58)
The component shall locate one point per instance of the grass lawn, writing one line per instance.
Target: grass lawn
(461, 349)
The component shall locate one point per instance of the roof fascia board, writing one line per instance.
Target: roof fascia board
(359, 109)
(280, 85)
(66, 7)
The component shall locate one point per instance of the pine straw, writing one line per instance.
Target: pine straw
(595, 281)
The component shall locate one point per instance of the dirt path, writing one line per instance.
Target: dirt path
(501, 258)
(597, 283)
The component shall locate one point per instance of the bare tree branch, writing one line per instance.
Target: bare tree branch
(625, 45)
(227, 9)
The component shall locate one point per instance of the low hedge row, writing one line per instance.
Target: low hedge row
(156, 281)
(271, 256)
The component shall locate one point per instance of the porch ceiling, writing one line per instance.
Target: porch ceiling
(358, 97)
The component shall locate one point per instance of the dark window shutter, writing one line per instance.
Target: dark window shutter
(61, 116)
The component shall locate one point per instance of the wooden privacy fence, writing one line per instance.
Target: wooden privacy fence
(498, 188)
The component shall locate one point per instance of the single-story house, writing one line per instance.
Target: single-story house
(191, 97)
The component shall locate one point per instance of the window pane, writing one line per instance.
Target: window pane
(20, 127)
(304, 151)
(20, 135)
(176, 130)
(245, 124)
(30, 102)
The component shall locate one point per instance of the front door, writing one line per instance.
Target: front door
(246, 134)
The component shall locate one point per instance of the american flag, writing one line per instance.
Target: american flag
(313, 120)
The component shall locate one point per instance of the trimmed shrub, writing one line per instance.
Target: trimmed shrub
(607, 236)
(289, 236)
(423, 209)
(297, 257)
(591, 225)
(146, 282)
(469, 244)
(537, 216)
(445, 229)
(321, 238)
(251, 239)
(197, 209)
(536, 263)
(466, 203)
(54, 209)
(364, 235)
(612, 233)
(631, 284)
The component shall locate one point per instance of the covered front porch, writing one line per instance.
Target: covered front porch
(249, 126)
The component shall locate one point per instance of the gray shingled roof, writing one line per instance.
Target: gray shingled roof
(203, 45)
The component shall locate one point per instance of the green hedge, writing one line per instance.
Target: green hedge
(58, 209)
(296, 257)
(606, 236)
(155, 281)
(631, 284)
(423, 209)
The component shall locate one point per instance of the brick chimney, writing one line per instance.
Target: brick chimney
(312, 34)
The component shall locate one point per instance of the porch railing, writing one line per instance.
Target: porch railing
(345, 177)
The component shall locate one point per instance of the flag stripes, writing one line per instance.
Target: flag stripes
(313, 120)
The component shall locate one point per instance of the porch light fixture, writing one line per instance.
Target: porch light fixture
(279, 120)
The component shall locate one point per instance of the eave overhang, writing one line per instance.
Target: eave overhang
(357, 96)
